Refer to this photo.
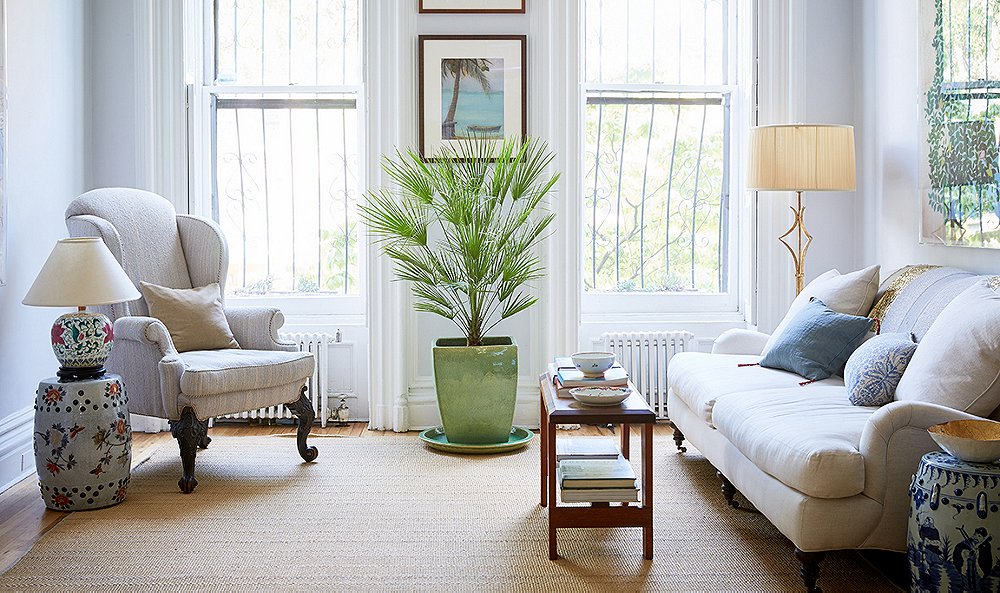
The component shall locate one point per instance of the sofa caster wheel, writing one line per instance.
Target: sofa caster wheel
(728, 491)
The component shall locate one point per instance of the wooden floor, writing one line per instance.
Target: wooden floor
(24, 518)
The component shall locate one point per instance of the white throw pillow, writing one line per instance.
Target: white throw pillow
(850, 294)
(957, 363)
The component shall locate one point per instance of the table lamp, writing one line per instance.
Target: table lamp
(81, 272)
(801, 157)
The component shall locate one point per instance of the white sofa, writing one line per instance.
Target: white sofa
(829, 475)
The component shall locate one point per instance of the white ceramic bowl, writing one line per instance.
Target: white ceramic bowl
(977, 441)
(593, 364)
(600, 396)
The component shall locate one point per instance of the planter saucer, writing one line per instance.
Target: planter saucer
(435, 439)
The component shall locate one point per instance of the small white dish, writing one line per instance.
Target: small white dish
(600, 396)
(593, 364)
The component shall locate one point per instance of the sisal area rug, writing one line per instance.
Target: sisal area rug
(389, 514)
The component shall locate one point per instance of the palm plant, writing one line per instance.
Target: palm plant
(464, 227)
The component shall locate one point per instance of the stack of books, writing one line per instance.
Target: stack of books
(592, 470)
(565, 376)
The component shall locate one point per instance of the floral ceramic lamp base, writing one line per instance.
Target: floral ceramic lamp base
(82, 342)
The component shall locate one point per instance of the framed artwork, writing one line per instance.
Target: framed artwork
(471, 6)
(960, 116)
(471, 86)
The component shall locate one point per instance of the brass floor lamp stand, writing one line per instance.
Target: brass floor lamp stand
(799, 253)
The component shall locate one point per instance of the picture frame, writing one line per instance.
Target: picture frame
(958, 180)
(471, 6)
(488, 97)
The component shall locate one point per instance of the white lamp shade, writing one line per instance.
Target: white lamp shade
(80, 272)
(802, 157)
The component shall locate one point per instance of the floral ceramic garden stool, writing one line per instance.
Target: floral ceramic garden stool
(953, 539)
(83, 442)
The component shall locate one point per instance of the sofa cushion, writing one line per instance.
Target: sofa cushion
(699, 379)
(850, 294)
(211, 372)
(817, 342)
(957, 363)
(806, 437)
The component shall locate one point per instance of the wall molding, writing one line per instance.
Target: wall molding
(780, 45)
(390, 69)
(423, 410)
(161, 120)
(556, 117)
(17, 459)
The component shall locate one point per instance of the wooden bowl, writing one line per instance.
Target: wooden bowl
(977, 441)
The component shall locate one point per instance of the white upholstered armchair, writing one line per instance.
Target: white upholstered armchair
(156, 245)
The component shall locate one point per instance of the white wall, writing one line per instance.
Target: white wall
(111, 53)
(892, 105)
(47, 164)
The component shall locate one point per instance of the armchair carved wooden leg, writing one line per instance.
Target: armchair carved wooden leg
(205, 440)
(810, 569)
(678, 439)
(302, 409)
(189, 432)
(728, 490)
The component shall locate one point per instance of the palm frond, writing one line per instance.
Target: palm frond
(464, 229)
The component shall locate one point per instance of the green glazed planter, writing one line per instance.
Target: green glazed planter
(476, 389)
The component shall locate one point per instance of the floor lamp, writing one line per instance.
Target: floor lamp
(801, 157)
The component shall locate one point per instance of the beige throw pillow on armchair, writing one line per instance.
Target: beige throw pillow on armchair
(193, 316)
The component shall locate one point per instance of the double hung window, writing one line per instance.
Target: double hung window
(659, 130)
(280, 128)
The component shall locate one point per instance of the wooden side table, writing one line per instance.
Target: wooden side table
(634, 410)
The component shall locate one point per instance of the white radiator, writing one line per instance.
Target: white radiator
(646, 356)
(318, 384)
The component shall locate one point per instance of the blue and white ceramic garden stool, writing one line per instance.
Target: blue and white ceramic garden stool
(83, 442)
(953, 539)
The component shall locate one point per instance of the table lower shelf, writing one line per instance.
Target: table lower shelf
(610, 516)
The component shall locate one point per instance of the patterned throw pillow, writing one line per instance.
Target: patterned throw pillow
(874, 370)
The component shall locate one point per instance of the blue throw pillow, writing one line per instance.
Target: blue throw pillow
(817, 341)
(875, 368)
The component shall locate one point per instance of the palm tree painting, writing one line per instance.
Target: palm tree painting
(471, 98)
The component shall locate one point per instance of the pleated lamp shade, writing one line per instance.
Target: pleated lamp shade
(802, 157)
(80, 272)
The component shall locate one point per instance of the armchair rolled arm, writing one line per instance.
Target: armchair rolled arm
(256, 328)
(740, 341)
(146, 330)
(894, 440)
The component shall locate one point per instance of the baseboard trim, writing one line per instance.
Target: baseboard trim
(17, 460)
(423, 411)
